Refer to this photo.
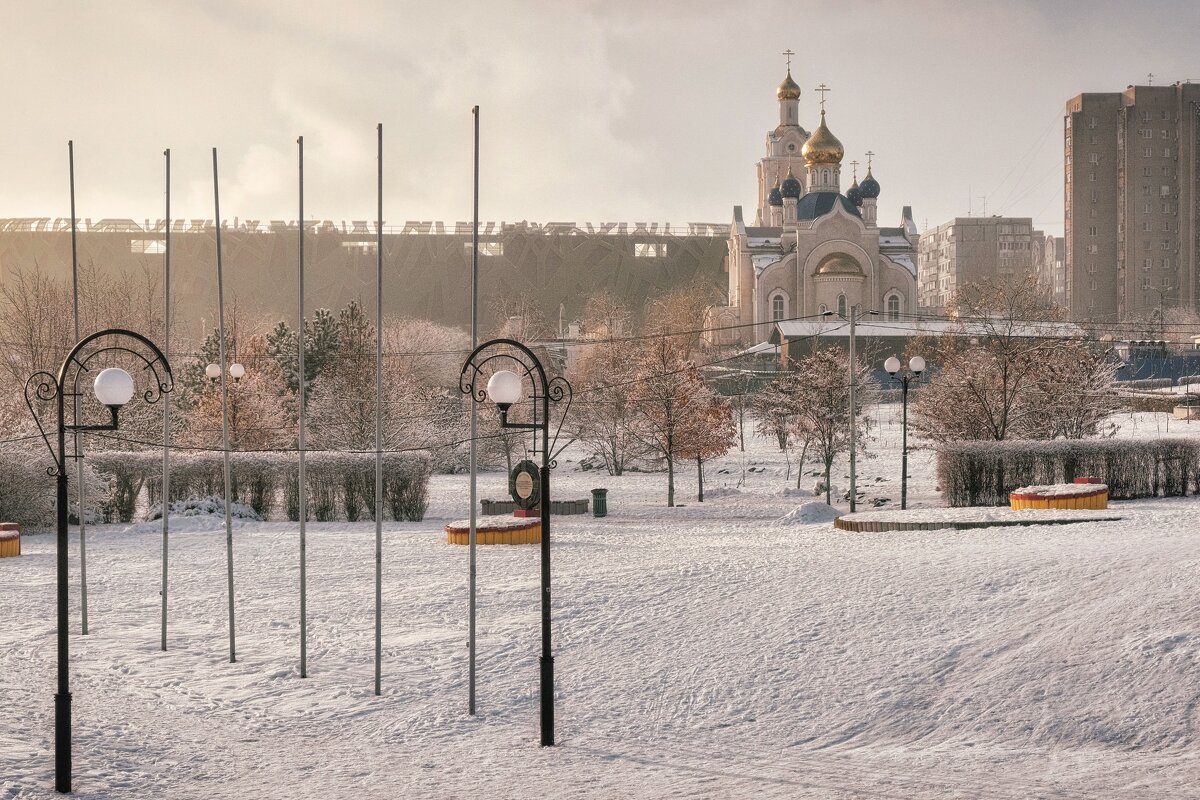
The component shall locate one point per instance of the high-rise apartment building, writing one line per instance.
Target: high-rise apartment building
(975, 249)
(1130, 202)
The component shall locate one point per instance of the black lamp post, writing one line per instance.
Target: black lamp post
(506, 388)
(916, 365)
(114, 387)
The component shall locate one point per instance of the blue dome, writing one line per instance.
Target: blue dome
(791, 187)
(854, 195)
(869, 187)
(775, 198)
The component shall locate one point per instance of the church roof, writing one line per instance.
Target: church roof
(818, 204)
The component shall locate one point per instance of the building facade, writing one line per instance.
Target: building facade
(427, 265)
(976, 249)
(1130, 202)
(810, 248)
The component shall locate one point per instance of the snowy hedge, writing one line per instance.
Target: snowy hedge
(26, 491)
(341, 485)
(1189, 380)
(983, 473)
(1146, 383)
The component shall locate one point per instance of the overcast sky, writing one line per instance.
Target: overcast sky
(591, 111)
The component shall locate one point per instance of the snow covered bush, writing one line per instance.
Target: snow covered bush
(204, 506)
(341, 485)
(983, 473)
(26, 491)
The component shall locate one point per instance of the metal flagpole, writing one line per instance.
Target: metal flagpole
(224, 409)
(379, 425)
(853, 418)
(303, 486)
(471, 536)
(78, 461)
(166, 474)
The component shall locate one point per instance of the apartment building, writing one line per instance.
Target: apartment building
(975, 249)
(1130, 202)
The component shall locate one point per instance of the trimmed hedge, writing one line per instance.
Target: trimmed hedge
(341, 485)
(1145, 383)
(983, 473)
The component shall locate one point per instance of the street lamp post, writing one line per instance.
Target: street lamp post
(506, 388)
(916, 365)
(113, 387)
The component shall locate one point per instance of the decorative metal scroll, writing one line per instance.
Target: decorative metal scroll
(499, 354)
(79, 363)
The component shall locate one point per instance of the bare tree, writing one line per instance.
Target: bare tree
(1010, 373)
(822, 402)
(668, 391)
(707, 433)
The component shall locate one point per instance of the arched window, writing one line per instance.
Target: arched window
(778, 307)
(842, 305)
(893, 307)
(824, 308)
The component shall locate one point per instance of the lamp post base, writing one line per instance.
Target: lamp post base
(62, 742)
(547, 663)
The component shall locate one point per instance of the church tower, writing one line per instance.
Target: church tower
(783, 146)
(823, 155)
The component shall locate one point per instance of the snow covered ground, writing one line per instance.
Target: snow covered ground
(701, 651)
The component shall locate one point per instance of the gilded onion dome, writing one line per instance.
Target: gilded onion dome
(791, 186)
(822, 147)
(788, 90)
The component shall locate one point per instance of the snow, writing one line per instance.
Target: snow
(810, 513)
(1062, 490)
(992, 514)
(495, 522)
(701, 651)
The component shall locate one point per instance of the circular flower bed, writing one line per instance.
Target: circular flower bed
(496, 529)
(1060, 495)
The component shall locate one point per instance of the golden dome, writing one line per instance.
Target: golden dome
(838, 264)
(822, 147)
(788, 90)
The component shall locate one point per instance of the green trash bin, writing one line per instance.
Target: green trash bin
(599, 502)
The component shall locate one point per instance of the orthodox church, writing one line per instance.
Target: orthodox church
(810, 248)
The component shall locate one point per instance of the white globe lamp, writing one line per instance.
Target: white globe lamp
(213, 371)
(504, 388)
(892, 365)
(236, 371)
(916, 365)
(113, 387)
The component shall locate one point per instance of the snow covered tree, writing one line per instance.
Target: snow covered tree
(668, 391)
(1010, 376)
(604, 418)
(709, 432)
(679, 313)
(822, 402)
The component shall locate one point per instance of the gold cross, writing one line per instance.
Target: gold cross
(869, 155)
(823, 89)
(855, 165)
(788, 53)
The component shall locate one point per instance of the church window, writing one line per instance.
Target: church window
(841, 305)
(778, 307)
(824, 309)
(893, 307)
